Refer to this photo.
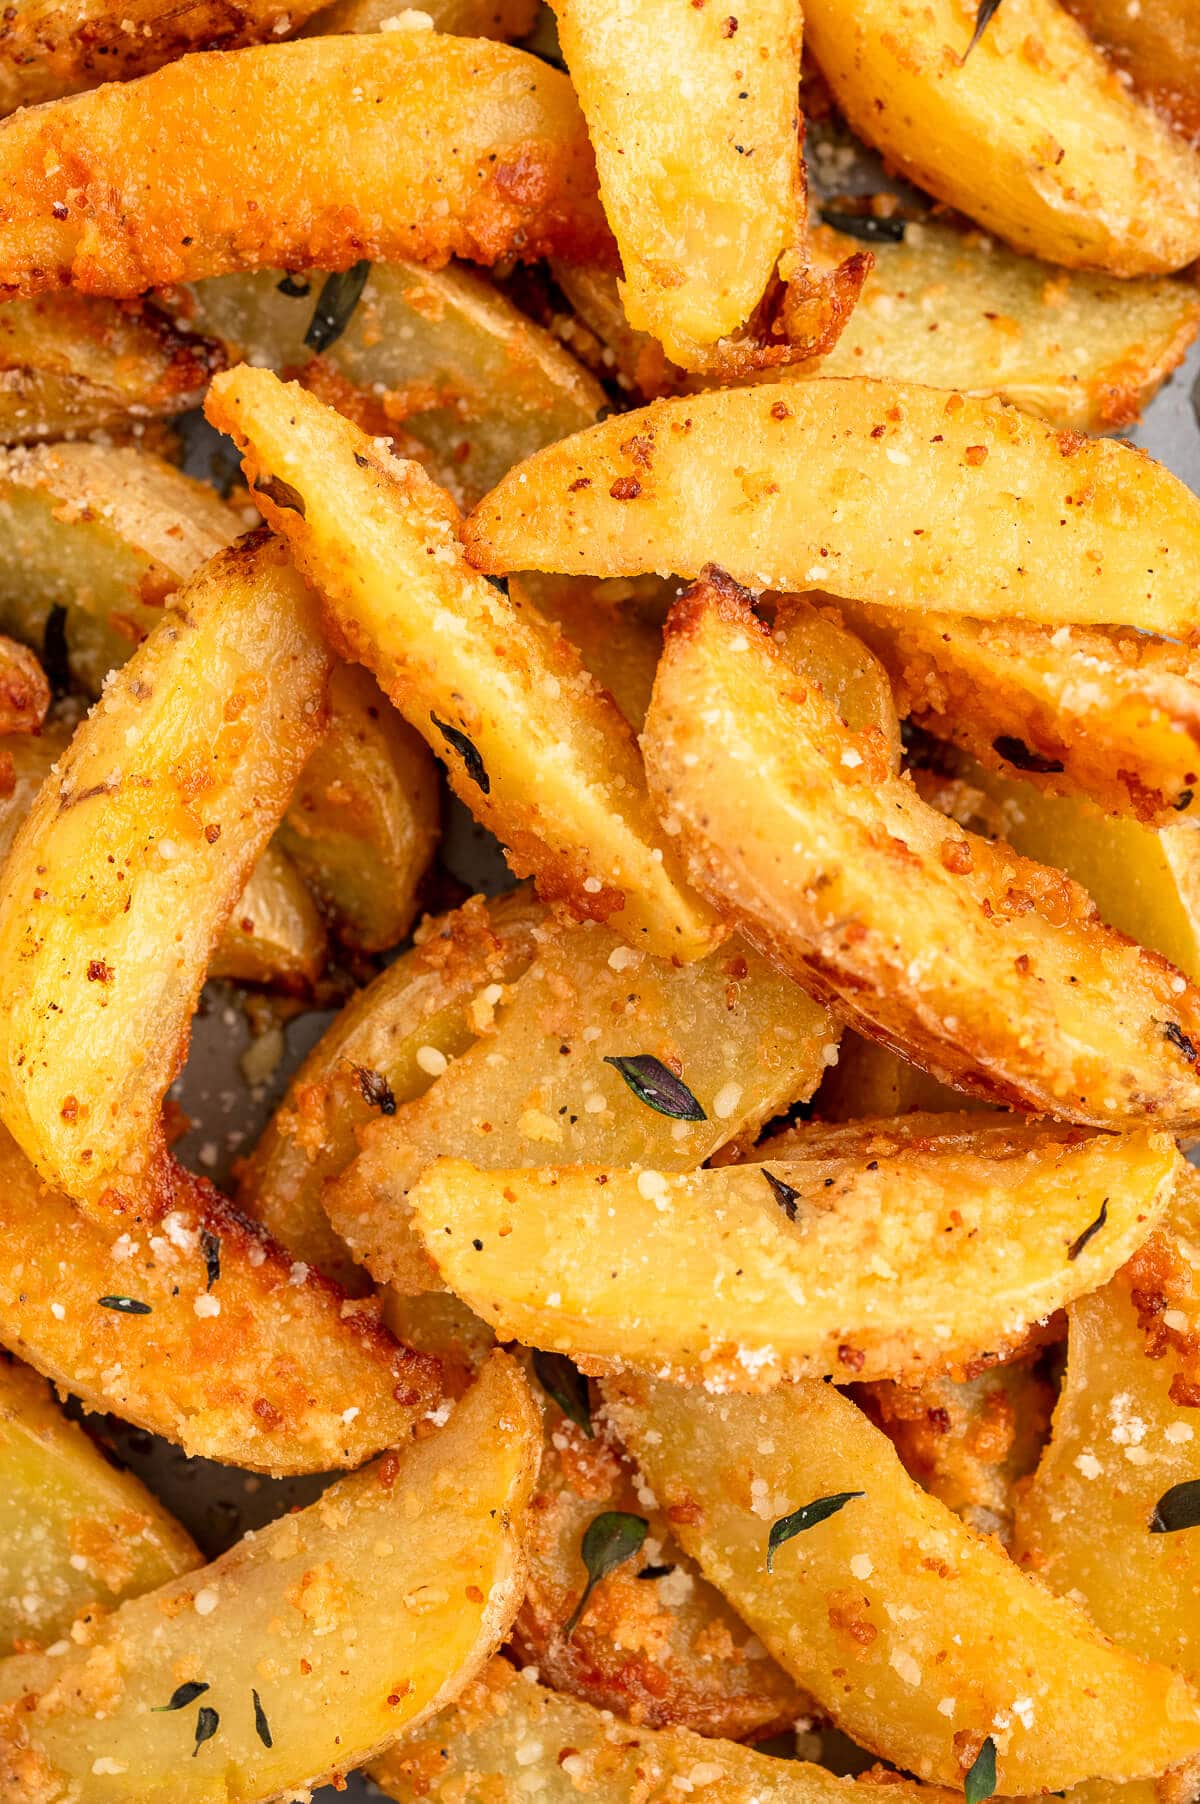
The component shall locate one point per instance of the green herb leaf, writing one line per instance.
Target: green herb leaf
(56, 661)
(377, 1093)
(1177, 1508)
(980, 1781)
(125, 1305)
(207, 1724)
(339, 296)
(210, 1246)
(865, 226)
(657, 1086)
(183, 1695)
(469, 753)
(807, 1516)
(274, 488)
(563, 1381)
(983, 18)
(1077, 1245)
(608, 1541)
(294, 290)
(784, 1195)
(1022, 757)
(262, 1727)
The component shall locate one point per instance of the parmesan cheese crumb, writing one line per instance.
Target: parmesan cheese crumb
(431, 1061)
(205, 1601)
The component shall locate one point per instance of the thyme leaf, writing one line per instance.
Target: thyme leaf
(657, 1086)
(807, 1516)
(608, 1541)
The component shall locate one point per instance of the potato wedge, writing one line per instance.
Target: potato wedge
(955, 310)
(508, 1738)
(1125, 1432)
(1157, 43)
(704, 195)
(307, 1383)
(317, 1640)
(533, 747)
(1033, 134)
(382, 1051)
(507, 19)
(752, 1274)
(870, 1079)
(615, 627)
(274, 934)
(523, 179)
(1106, 714)
(919, 1637)
(25, 761)
(728, 1032)
(657, 1643)
(132, 858)
(74, 1529)
(363, 821)
(876, 491)
(474, 381)
(24, 691)
(990, 971)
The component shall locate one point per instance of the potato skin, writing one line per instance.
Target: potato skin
(1157, 43)
(24, 691)
(294, 191)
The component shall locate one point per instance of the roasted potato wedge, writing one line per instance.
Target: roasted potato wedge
(383, 1050)
(274, 934)
(507, 19)
(476, 384)
(1124, 1434)
(615, 627)
(532, 745)
(247, 197)
(25, 761)
(508, 1738)
(544, 1086)
(876, 491)
(313, 1643)
(138, 1322)
(74, 1529)
(705, 195)
(1032, 133)
(133, 857)
(24, 691)
(992, 972)
(657, 1643)
(870, 1079)
(956, 310)
(918, 1636)
(1157, 43)
(742, 1277)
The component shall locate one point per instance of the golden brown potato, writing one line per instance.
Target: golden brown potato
(312, 1643)
(992, 972)
(274, 934)
(616, 627)
(532, 745)
(657, 1643)
(1033, 134)
(808, 1267)
(293, 191)
(75, 1530)
(462, 18)
(362, 822)
(132, 858)
(1125, 1433)
(876, 491)
(138, 1322)
(25, 760)
(919, 1637)
(381, 1052)
(24, 691)
(870, 1079)
(602, 335)
(728, 1033)
(1157, 42)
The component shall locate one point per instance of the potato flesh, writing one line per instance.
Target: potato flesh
(274, 934)
(306, 194)
(1158, 44)
(988, 970)
(74, 1530)
(350, 1619)
(133, 856)
(941, 1641)
(930, 1259)
(870, 1079)
(1124, 1433)
(517, 1098)
(461, 18)
(1034, 135)
(618, 634)
(559, 778)
(876, 491)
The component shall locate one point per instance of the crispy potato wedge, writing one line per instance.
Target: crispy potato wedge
(382, 1051)
(1033, 134)
(307, 1383)
(876, 491)
(508, 1737)
(25, 761)
(657, 1643)
(1107, 714)
(335, 1627)
(992, 972)
(918, 1636)
(363, 821)
(133, 857)
(72, 363)
(870, 1080)
(24, 691)
(704, 195)
(1125, 1432)
(1158, 44)
(274, 934)
(955, 310)
(542, 1086)
(616, 627)
(523, 177)
(745, 1276)
(507, 19)
(476, 384)
(74, 1529)
(636, 361)
(532, 745)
